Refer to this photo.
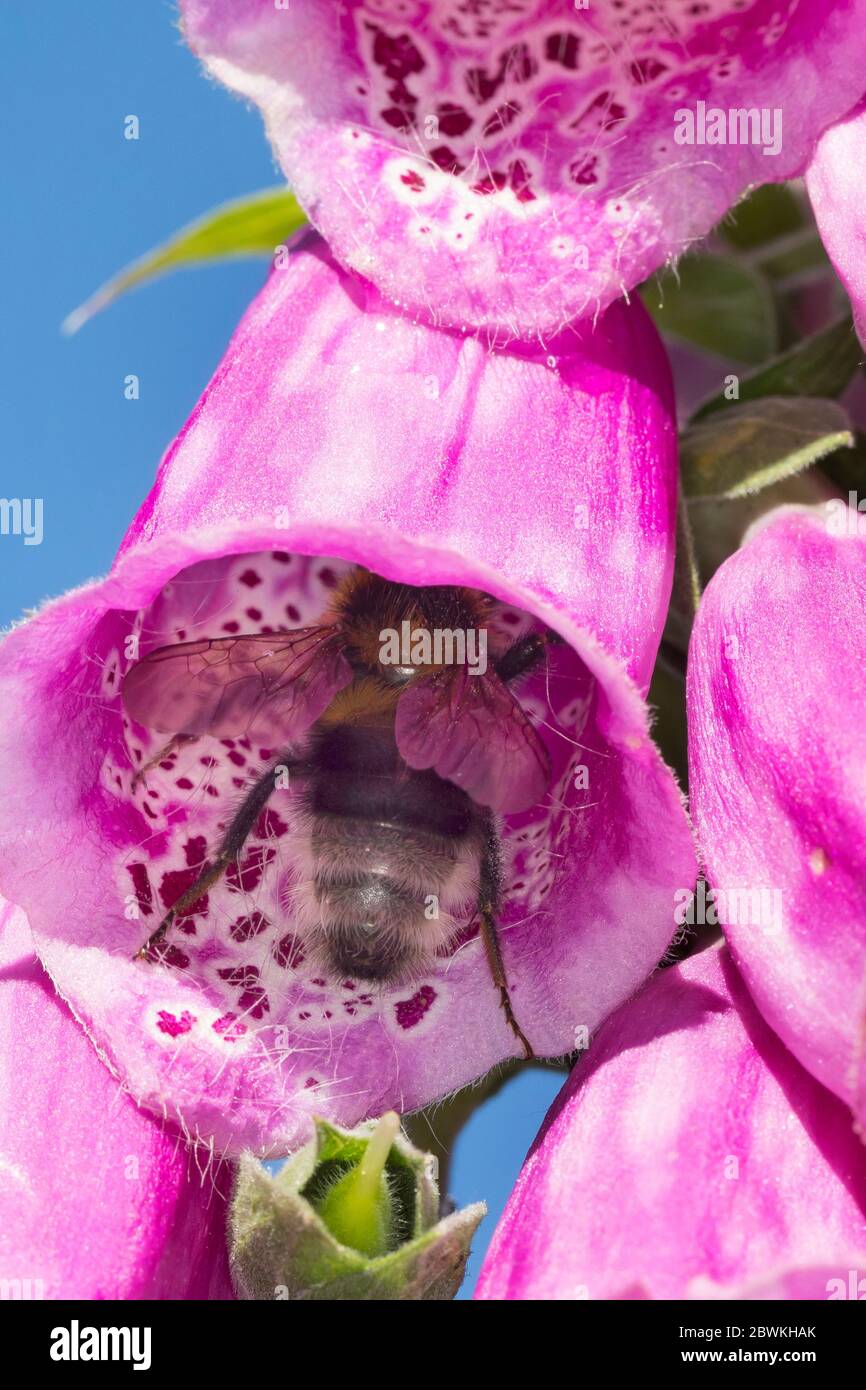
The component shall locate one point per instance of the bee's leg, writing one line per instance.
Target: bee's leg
(176, 742)
(526, 653)
(230, 846)
(489, 885)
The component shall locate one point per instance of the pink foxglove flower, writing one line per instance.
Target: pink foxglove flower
(835, 184)
(514, 164)
(97, 1199)
(337, 432)
(776, 692)
(689, 1156)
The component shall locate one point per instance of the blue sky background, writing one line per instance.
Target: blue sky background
(82, 202)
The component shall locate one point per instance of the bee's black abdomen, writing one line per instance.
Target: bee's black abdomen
(358, 773)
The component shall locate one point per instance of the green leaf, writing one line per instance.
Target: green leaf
(770, 211)
(687, 586)
(250, 226)
(715, 304)
(752, 446)
(820, 366)
(792, 256)
(667, 700)
(847, 467)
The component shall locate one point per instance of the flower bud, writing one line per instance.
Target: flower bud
(351, 1215)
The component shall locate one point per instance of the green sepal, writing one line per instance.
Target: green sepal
(819, 366)
(281, 1248)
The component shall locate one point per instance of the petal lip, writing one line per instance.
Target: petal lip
(510, 170)
(649, 1178)
(778, 776)
(97, 1199)
(424, 456)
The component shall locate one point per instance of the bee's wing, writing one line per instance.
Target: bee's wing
(263, 684)
(472, 731)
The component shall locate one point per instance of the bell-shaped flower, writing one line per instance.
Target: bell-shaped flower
(777, 754)
(688, 1156)
(336, 434)
(511, 165)
(98, 1200)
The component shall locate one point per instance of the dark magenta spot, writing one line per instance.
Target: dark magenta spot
(289, 952)
(244, 876)
(175, 957)
(240, 976)
(410, 1011)
(413, 180)
(173, 1025)
(395, 54)
(583, 170)
(248, 926)
(254, 1002)
(269, 825)
(453, 119)
(195, 851)
(249, 578)
(502, 117)
(646, 70)
(563, 49)
(446, 160)
(141, 884)
(175, 884)
(229, 1027)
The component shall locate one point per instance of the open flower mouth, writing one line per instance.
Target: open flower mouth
(344, 852)
(387, 447)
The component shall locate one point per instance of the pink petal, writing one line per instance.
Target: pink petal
(97, 1199)
(835, 183)
(776, 692)
(689, 1156)
(336, 432)
(513, 166)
